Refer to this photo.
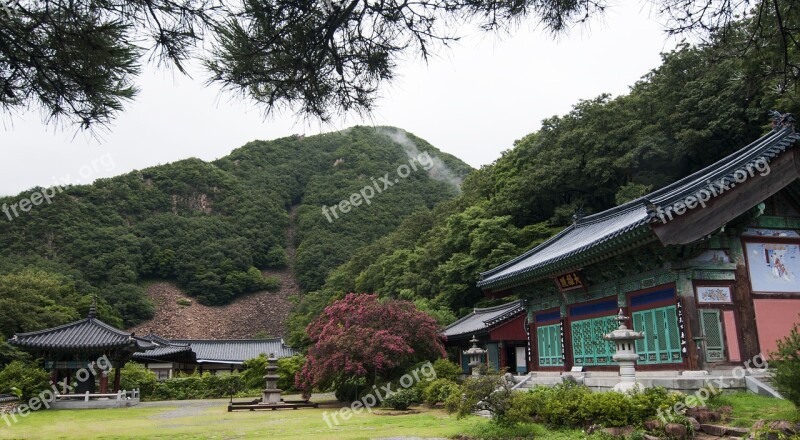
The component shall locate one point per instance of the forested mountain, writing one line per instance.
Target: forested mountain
(212, 227)
(694, 109)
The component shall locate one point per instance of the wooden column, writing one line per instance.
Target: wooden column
(744, 309)
(501, 356)
(116, 377)
(103, 382)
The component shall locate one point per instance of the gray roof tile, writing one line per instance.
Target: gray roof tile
(596, 229)
(481, 320)
(85, 335)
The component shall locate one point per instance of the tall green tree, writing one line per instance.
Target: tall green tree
(78, 60)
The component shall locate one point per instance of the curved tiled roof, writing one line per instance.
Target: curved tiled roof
(481, 320)
(630, 221)
(84, 335)
(224, 351)
(235, 350)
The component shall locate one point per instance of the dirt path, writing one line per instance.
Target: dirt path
(244, 317)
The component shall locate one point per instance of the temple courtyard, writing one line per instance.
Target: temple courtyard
(209, 419)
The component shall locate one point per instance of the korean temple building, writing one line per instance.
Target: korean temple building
(500, 330)
(171, 356)
(706, 267)
(81, 354)
(89, 345)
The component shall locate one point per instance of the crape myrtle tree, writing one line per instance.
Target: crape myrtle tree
(362, 336)
(77, 60)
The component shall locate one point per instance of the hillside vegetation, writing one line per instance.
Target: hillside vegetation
(697, 107)
(211, 227)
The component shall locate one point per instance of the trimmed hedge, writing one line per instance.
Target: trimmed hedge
(196, 386)
(570, 405)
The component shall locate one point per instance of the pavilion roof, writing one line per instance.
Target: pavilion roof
(89, 334)
(596, 235)
(481, 321)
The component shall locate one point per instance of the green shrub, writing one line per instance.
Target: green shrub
(647, 403)
(787, 366)
(447, 370)
(137, 376)
(287, 369)
(572, 405)
(196, 386)
(254, 370)
(276, 257)
(350, 389)
(400, 400)
(417, 392)
(27, 377)
(527, 407)
(271, 283)
(484, 393)
(608, 409)
(564, 404)
(455, 400)
(183, 302)
(439, 391)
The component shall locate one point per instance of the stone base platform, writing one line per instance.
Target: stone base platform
(257, 405)
(683, 381)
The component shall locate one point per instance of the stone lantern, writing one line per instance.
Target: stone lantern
(625, 340)
(475, 355)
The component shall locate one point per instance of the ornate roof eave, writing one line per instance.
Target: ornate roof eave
(601, 234)
(88, 328)
(511, 314)
(631, 239)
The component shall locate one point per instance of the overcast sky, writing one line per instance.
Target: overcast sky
(472, 101)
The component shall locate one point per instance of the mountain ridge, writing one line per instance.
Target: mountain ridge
(216, 228)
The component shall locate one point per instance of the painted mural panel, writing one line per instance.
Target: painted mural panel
(714, 295)
(774, 266)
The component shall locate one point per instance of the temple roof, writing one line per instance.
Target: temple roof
(594, 235)
(88, 334)
(481, 320)
(223, 351)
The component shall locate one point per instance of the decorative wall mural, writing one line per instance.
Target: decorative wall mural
(714, 294)
(774, 266)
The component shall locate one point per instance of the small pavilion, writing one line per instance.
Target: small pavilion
(89, 346)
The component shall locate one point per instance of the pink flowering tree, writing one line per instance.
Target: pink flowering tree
(362, 336)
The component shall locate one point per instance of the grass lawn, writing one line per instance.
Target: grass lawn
(210, 419)
(748, 408)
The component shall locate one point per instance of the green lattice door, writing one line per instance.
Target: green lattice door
(588, 346)
(662, 341)
(713, 346)
(549, 345)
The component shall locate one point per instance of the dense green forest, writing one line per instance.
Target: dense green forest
(698, 106)
(212, 227)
